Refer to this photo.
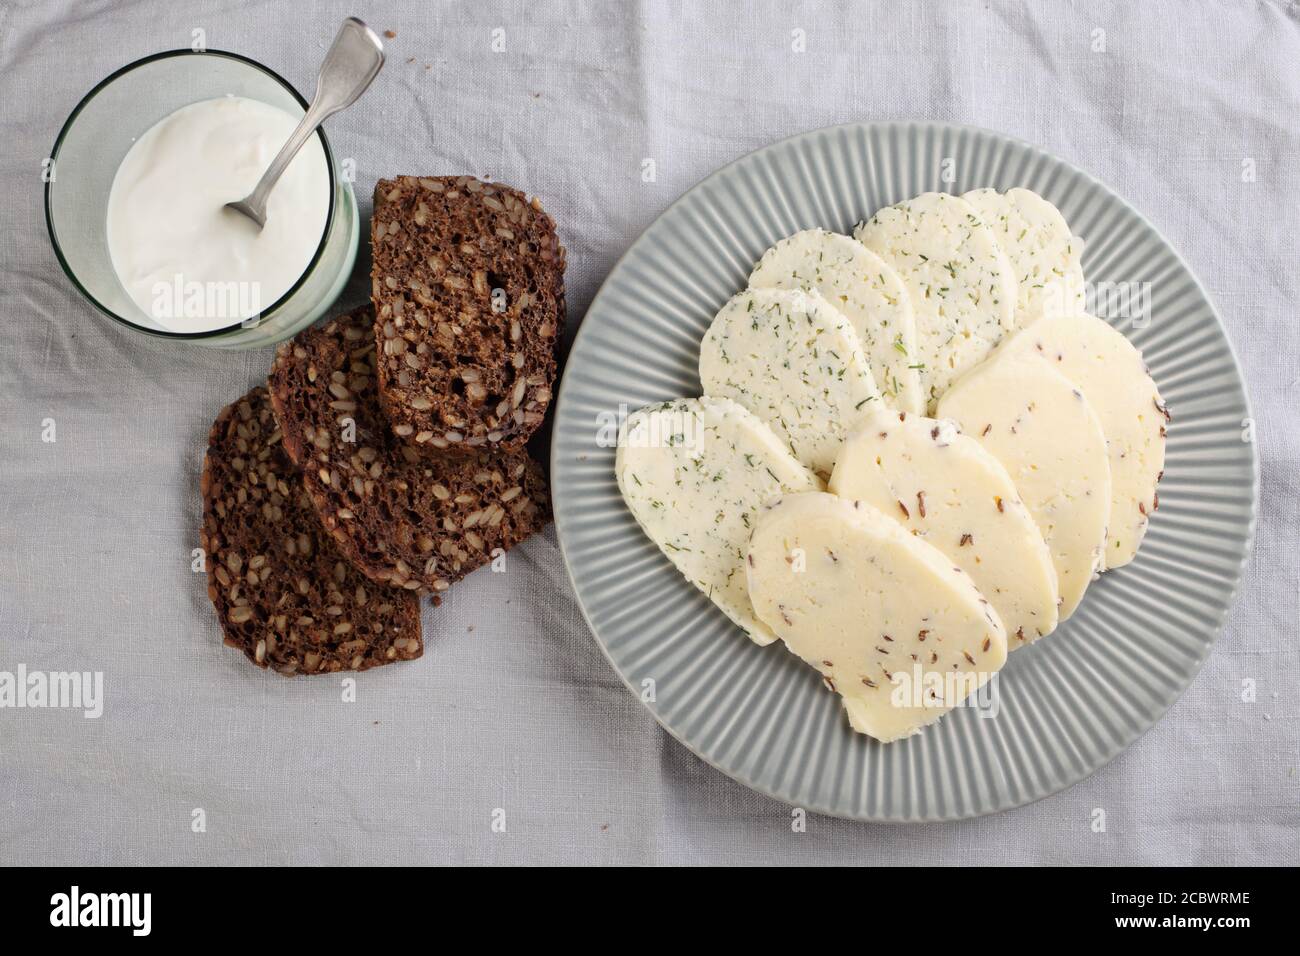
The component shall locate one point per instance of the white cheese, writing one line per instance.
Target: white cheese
(795, 362)
(1106, 367)
(1047, 436)
(962, 287)
(950, 492)
(1044, 254)
(867, 290)
(694, 473)
(890, 624)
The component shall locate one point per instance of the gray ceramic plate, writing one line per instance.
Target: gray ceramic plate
(1068, 704)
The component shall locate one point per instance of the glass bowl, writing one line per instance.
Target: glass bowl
(91, 146)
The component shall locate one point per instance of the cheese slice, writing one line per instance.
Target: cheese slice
(1106, 367)
(1047, 436)
(795, 362)
(1045, 256)
(694, 473)
(867, 290)
(961, 284)
(890, 624)
(950, 492)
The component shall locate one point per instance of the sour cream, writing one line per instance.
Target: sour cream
(189, 263)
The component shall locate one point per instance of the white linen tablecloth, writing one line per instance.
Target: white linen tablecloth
(513, 714)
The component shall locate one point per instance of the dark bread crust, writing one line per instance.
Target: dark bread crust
(403, 516)
(284, 594)
(455, 373)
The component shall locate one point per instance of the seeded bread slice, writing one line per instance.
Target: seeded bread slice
(284, 594)
(468, 289)
(404, 517)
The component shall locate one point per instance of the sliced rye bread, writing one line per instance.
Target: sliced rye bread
(458, 369)
(284, 593)
(403, 516)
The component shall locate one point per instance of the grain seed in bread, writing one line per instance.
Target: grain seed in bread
(284, 593)
(468, 288)
(403, 515)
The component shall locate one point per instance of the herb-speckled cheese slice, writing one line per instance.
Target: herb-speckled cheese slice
(1049, 439)
(1044, 254)
(962, 287)
(1109, 370)
(948, 491)
(891, 625)
(866, 290)
(694, 473)
(795, 362)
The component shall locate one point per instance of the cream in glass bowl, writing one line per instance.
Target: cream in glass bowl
(135, 198)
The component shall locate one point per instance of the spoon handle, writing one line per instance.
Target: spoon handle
(352, 62)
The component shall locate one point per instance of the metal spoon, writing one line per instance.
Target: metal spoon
(352, 62)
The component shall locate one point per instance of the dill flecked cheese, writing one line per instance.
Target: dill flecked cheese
(694, 473)
(794, 361)
(962, 286)
(867, 291)
(1043, 253)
